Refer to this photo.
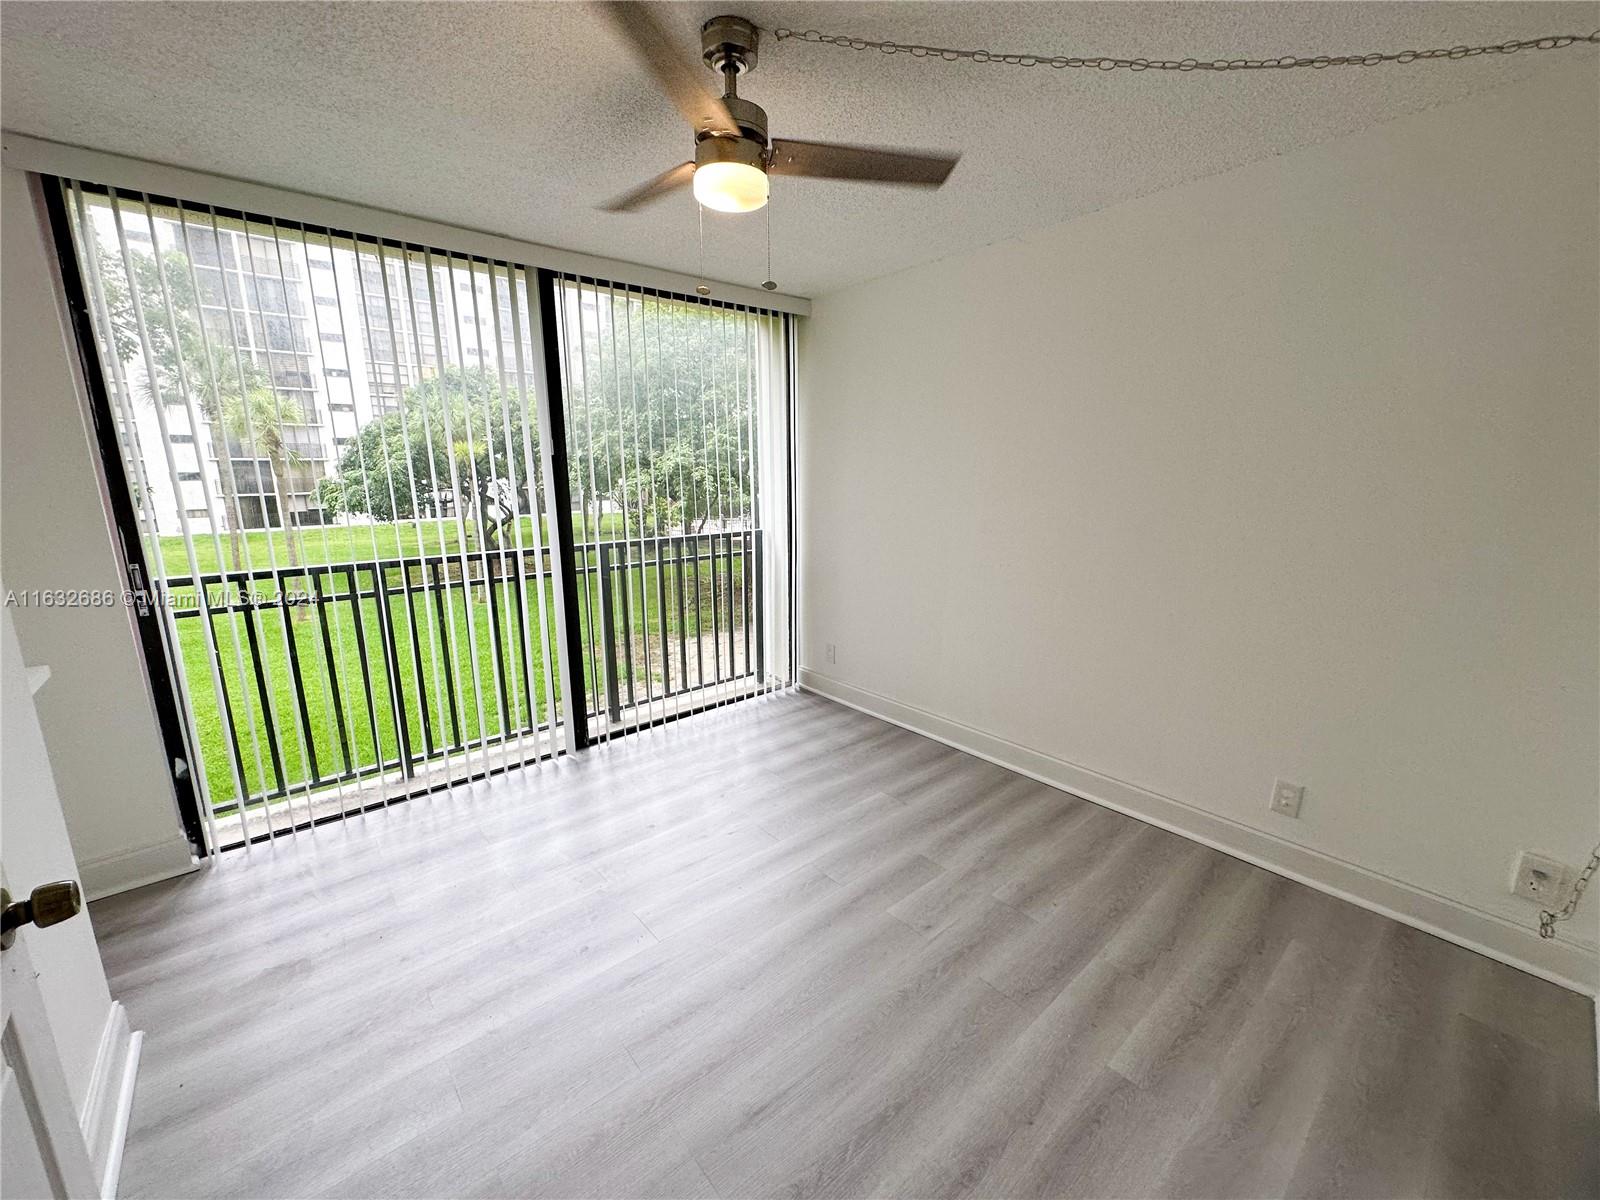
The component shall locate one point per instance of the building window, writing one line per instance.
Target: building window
(189, 476)
(336, 373)
(181, 438)
(328, 300)
(295, 380)
(333, 337)
(200, 513)
(341, 406)
(258, 512)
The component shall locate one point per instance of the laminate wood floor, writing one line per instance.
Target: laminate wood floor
(786, 949)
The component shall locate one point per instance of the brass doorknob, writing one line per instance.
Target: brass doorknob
(47, 904)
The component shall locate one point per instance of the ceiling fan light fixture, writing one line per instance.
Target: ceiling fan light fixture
(731, 187)
(730, 174)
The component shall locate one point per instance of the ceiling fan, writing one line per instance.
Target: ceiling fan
(733, 155)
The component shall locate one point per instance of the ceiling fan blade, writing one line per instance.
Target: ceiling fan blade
(668, 181)
(824, 160)
(683, 82)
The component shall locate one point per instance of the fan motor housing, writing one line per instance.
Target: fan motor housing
(752, 118)
(745, 150)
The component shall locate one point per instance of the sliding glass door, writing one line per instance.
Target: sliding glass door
(677, 436)
(379, 494)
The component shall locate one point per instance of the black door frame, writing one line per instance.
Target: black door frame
(561, 484)
(166, 687)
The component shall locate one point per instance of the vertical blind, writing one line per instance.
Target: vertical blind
(677, 436)
(347, 499)
(332, 448)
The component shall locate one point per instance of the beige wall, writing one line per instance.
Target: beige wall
(98, 720)
(1290, 472)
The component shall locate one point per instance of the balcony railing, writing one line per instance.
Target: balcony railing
(335, 672)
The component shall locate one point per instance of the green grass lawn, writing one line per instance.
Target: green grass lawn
(363, 543)
(298, 656)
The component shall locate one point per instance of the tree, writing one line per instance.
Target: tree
(256, 418)
(454, 445)
(658, 411)
(663, 436)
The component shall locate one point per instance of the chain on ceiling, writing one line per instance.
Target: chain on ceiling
(1109, 63)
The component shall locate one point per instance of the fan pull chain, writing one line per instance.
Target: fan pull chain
(1549, 917)
(702, 288)
(768, 282)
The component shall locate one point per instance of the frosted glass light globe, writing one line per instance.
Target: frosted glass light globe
(730, 187)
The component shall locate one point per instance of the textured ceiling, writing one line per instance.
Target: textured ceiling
(519, 118)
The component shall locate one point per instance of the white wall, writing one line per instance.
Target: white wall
(1289, 472)
(99, 723)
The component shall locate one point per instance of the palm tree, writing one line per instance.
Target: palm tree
(255, 417)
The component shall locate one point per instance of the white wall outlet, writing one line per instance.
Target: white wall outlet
(1540, 879)
(830, 653)
(1286, 798)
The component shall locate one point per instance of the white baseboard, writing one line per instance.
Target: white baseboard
(1560, 961)
(108, 1104)
(113, 873)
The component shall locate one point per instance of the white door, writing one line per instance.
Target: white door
(43, 1154)
(66, 1046)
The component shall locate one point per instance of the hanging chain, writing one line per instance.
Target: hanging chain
(1548, 919)
(1104, 63)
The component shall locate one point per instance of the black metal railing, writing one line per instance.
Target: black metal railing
(707, 593)
(335, 672)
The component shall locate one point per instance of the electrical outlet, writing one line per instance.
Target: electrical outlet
(830, 653)
(1539, 878)
(1286, 798)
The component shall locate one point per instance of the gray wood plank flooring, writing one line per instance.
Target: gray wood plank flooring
(784, 949)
